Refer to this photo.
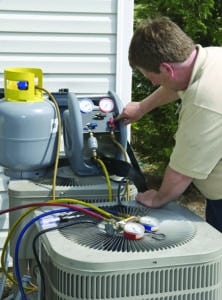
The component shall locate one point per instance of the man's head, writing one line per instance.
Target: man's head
(157, 42)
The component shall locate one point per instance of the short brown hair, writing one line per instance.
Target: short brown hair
(157, 41)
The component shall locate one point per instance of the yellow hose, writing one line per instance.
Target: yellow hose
(101, 163)
(55, 171)
(119, 145)
(114, 140)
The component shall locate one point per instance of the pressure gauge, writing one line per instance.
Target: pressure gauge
(106, 105)
(151, 224)
(133, 231)
(86, 105)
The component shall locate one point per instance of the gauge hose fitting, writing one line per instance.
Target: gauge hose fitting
(93, 144)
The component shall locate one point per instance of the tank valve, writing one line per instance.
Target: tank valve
(23, 85)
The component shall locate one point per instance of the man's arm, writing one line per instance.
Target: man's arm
(135, 110)
(173, 185)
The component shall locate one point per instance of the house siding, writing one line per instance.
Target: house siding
(79, 45)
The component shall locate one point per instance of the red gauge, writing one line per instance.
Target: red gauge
(133, 231)
(106, 105)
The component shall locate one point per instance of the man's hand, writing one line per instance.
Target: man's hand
(131, 113)
(172, 186)
(149, 198)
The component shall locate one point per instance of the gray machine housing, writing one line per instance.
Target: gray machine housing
(76, 129)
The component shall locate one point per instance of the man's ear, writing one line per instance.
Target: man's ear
(167, 69)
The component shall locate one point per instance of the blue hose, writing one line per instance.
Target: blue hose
(16, 252)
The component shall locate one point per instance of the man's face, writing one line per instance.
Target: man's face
(154, 78)
(164, 77)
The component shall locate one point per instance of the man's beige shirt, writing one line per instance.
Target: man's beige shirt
(198, 149)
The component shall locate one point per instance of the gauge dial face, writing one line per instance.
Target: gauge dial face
(106, 105)
(86, 105)
(134, 228)
(149, 222)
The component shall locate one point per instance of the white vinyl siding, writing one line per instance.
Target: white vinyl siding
(79, 45)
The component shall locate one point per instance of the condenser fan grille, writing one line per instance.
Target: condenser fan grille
(172, 231)
(67, 178)
(69, 181)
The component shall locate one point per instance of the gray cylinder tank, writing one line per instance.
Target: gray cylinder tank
(28, 135)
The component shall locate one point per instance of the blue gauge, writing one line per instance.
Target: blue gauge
(86, 105)
(150, 224)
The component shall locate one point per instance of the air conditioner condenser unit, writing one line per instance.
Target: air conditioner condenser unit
(182, 261)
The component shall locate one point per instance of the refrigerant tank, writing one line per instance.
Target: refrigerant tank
(28, 125)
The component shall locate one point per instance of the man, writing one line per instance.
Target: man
(164, 54)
